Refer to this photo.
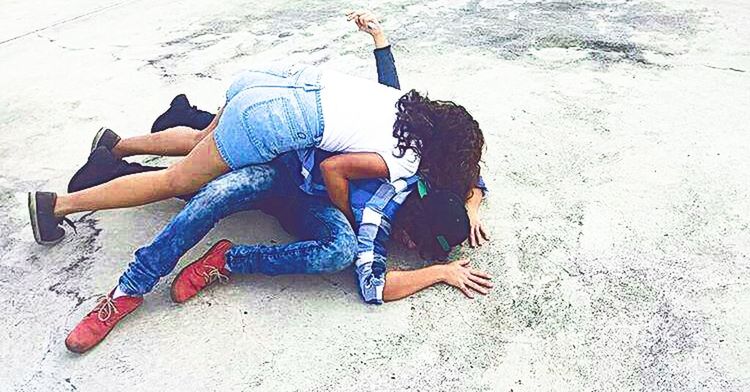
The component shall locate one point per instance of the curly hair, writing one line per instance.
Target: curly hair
(444, 136)
(449, 143)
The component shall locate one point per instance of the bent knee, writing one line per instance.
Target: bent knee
(180, 183)
(338, 252)
(198, 136)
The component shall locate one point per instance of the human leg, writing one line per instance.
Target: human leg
(235, 191)
(327, 244)
(238, 190)
(327, 241)
(202, 165)
(177, 141)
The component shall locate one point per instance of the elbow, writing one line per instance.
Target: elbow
(330, 166)
(388, 297)
(390, 293)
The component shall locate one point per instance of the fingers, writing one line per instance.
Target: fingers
(365, 20)
(478, 288)
(477, 235)
(484, 233)
(355, 14)
(462, 262)
(352, 14)
(481, 281)
(480, 274)
(467, 292)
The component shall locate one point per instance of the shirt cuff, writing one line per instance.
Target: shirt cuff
(370, 285)
(481, 185)
(383, 49)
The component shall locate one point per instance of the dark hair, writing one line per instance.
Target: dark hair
(449, 143)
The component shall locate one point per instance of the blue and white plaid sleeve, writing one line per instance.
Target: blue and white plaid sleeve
(481, 185)
(374, 231)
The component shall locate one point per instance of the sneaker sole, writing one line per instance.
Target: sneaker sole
(97, 138)
(35, 223)
(71, 349)
(171, 287)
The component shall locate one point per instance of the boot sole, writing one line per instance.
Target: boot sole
(171, 287)
(73, 350)
(35, 223)
(97, 138)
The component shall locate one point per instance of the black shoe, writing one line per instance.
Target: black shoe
(105, 138)
(102, 167)
(44, 223)
(180, 113)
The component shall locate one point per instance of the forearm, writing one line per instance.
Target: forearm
(401, 284)
(380, 40)
(337, 187)
(472, 204)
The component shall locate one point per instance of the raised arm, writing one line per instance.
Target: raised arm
(367, 21)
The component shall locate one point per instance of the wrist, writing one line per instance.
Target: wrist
(380, 40)
(441, 272)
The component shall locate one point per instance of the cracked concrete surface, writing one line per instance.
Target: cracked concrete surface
(617, 155)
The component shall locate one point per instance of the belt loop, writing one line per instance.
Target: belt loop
(311, 86)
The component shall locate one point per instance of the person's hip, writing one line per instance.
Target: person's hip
(270, 111)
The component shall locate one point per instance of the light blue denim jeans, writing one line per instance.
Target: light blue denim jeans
(327, 241)
(270, 110)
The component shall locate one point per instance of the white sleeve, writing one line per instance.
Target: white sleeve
(402, 167)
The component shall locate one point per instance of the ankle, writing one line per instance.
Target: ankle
(62, 207)
(118, 151)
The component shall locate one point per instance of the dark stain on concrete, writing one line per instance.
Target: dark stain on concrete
(510, 31)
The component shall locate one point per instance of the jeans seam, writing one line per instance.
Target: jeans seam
(222, 151)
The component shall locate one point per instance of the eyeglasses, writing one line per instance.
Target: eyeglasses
(422, 191)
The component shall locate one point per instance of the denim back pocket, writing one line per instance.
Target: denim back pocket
(273, 126)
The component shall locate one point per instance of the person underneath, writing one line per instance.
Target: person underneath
(329, 244)
(269, 111)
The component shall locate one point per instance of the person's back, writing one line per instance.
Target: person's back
(358, 116)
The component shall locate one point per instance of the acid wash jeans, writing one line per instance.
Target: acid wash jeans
(327, 241)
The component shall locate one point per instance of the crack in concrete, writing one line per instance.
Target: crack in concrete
(68, 20)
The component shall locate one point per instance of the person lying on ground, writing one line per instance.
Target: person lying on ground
(329, 243)
(278, 108)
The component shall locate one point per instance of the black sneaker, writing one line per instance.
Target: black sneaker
(102, 167)
(180, 113)
(105, 138)
(44, 223)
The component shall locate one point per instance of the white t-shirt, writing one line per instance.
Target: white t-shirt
(358, 116)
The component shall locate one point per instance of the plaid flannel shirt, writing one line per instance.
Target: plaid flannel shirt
(374, 202)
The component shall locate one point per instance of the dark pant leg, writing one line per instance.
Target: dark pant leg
(327, 241)
(239, 190)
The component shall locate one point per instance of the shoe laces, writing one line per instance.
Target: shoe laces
(211, 274)
(105, 308)
(70, 223)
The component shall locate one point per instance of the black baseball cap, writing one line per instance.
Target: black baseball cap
(446, 221)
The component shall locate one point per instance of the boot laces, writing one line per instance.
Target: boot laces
(71, 224)
(105, 308)
(211, 274)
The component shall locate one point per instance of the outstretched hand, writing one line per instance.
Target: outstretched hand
(469, 280)
(477, 233)
(368, 22)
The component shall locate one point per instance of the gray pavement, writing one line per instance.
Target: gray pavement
(618, 157)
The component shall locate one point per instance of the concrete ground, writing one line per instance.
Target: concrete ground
(618, 158)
